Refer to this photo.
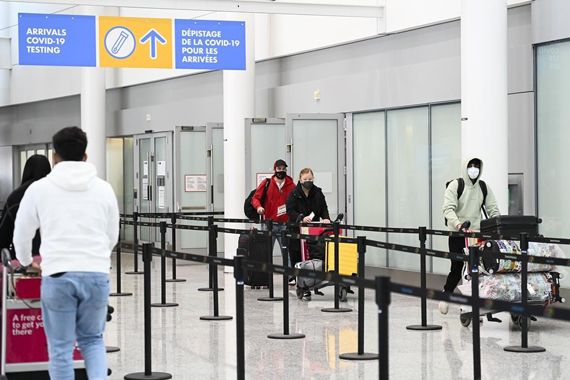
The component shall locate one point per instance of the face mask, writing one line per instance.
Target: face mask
(280, 175)
(473, 172)
(307, 185)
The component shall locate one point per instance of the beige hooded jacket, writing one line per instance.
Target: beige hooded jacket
(468, 207)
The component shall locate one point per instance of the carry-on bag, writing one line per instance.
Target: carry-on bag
(511, 225)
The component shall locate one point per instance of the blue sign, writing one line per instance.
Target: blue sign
(57, 40)
(213, 45)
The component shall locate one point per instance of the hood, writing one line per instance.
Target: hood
(464, 171)
(37, 167)
(73, 175)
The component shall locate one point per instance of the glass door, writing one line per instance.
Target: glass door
(266, 141)
(316, 141)
(153, 179)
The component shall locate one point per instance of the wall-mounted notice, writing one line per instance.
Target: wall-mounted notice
(161, 168)
(195, 183)
(205, 44)
(261, 176)
(56, 40)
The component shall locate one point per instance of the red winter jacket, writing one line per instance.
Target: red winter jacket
(274, 199)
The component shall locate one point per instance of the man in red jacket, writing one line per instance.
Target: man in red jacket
(273, 208)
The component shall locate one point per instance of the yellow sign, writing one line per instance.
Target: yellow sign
(135, 42)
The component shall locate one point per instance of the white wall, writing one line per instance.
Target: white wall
(277, 35)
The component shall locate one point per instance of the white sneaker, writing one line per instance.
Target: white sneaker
(443, 307)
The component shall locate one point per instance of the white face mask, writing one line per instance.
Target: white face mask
(473, 172)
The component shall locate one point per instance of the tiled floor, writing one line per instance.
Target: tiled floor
(189, 348)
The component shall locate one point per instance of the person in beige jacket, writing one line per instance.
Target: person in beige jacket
(464, 200)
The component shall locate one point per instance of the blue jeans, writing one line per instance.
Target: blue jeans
(74, 308)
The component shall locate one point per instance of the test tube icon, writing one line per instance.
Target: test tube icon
(119, 42)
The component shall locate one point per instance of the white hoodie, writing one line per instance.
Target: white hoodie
(78, 218)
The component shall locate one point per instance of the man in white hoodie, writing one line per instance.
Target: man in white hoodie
(464, 200)
(78, 218)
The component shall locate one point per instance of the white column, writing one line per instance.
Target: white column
(484, 108)
(93, 116)
(239, 91)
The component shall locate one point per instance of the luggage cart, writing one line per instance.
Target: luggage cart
(554, 296)
(24, 347)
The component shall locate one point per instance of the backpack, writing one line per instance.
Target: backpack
(248, 209)
(461, 187)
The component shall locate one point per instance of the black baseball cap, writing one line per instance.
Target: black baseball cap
(278, 163)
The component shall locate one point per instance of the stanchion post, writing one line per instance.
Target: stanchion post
(269, 258)
(240, 326)
(173, 262)
(423, 284)
(136, 244)
(286, 334)
(163, 302)
(147, 374)
(360, 355)
(524, 347)
(119, 292)
(383, 302)
(336, 308)
(475, 311)
(213, 245)
(212, 252)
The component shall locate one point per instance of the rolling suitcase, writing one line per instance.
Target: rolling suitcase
(511, 225)
(256, 247)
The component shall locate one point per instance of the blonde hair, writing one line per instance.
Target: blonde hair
(305, 171)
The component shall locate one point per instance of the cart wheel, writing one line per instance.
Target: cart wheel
(465, 321)
(299, 293)
(343, 295)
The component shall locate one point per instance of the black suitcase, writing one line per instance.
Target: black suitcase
(256, 247)
(511, 225)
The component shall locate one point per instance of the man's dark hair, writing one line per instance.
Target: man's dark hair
(70, 143)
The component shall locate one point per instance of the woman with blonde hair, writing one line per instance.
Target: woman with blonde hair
(305, 204)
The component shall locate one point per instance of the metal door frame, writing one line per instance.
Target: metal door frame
(210, 155)
(249, 122)
(341, 151)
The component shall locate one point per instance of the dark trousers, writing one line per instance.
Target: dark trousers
(456, 245)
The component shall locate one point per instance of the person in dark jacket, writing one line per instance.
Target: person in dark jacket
(305, 204)
(36, 167)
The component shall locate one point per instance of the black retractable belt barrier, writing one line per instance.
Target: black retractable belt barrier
(163, 302)
(336, 308)
(269, 226)
(383, 301)
(213, 233)
(136, 245)
(213, 252)
(286, 334)
(475, 310)
(240, 325)
(524, 347)
(147, 374)
(119, 293)
(424, 326)
(173, 262)
(360, 355)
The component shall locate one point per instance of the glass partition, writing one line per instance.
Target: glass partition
(553, 139)
(408, 179)
(369, 178)
(445, 166)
